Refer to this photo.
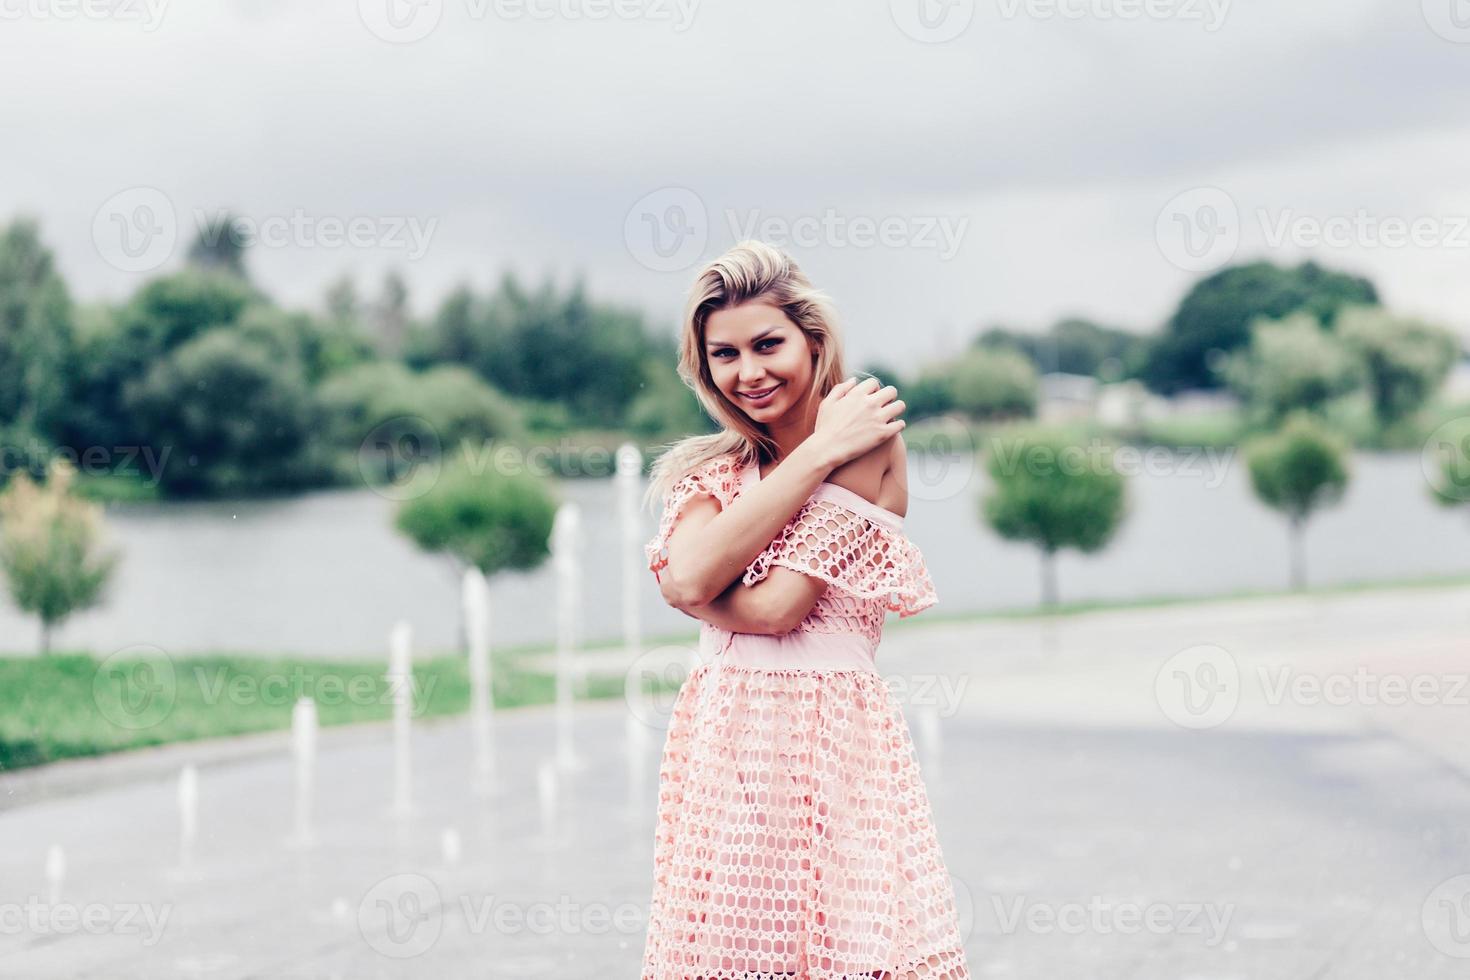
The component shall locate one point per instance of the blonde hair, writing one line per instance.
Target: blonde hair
(751, 271)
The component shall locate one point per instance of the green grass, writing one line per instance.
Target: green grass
(69, 705)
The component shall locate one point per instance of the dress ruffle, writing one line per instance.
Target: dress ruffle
(718, 477)
(851, 552)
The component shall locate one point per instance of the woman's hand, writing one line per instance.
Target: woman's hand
(856, 416)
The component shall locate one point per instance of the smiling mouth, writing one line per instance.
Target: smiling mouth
(756, 396)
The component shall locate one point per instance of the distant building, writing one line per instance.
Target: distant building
(1070, 397)
(1064, 397)
(1128, 404)
(1457, 386)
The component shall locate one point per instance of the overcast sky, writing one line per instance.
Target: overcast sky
(936, 165)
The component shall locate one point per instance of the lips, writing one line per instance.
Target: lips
(759, 395)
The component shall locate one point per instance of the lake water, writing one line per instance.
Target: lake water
(325, 574)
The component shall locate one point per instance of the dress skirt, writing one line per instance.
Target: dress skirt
(794, 834)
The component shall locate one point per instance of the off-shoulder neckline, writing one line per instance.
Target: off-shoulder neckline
(752, 474)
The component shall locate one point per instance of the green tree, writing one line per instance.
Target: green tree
(1215, 316)
(228, 416)
(1291, 364)
(37, 342)
(51, 548)
(342, 302)
(1405, 360)
(928, 394)
(219, 246)
(384, 416)
(492, 520)
(162, 316)
(1075, 346)
(321, 348)
(544, 346)
(993, 384)
(665, 406)
(1298, 470)
(1055, 494)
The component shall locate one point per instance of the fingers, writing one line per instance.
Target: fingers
(841, 388)
(894, 407)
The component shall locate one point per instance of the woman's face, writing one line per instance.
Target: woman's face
(756, 348)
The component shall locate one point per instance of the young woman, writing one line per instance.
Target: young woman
(794, 835)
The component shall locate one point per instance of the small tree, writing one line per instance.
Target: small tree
(1291, 364)
(1056, 494)
(50, 548)
(1297, 470)
(989, 384)
(495, 521)
(1405, 360)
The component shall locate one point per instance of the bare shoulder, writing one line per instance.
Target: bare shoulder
(870, 475)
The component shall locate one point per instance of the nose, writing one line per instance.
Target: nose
(750, 371)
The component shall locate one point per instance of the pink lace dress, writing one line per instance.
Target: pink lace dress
(794, 834)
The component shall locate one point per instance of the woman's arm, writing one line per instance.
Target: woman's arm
(773, 606)
(779, 602)
(709, 548)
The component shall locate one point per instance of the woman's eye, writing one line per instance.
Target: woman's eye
(730, 350)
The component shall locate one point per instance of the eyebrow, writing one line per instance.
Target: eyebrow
(759, 336)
